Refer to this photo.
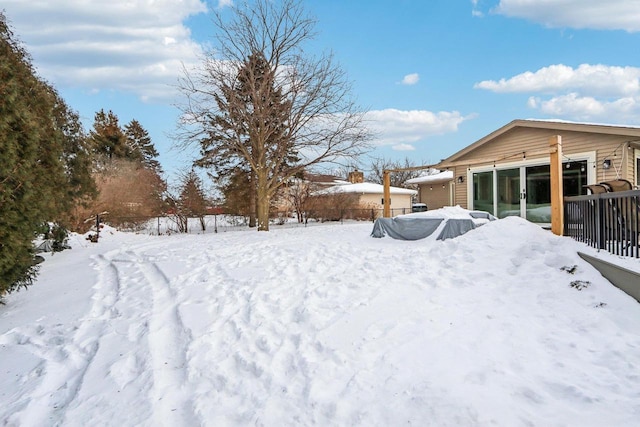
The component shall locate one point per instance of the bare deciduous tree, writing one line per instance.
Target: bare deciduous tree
(398, 179)
(297, 194)
(260, 101)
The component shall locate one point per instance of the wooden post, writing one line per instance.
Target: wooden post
(557, 196)
(386, 208)
(97, 227)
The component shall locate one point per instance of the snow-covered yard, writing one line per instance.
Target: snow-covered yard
(321, 326)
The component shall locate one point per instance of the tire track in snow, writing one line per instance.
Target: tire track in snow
(120, 367)
(65, 364)
(168, 341)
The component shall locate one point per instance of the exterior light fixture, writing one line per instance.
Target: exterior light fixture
(606, 164)
(460, 179)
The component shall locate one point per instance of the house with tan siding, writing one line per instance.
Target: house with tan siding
(434, 189)
(508, 171)
(370, 195)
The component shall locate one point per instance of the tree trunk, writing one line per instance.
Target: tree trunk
(262, 194)
(253, 203)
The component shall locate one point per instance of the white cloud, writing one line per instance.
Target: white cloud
(224, 3)
(403, 147)
(475, 10)
(588, 108)
(411, 79)
(593, 14)
(588, 92)
(590, 79)
(135, 46)
(401, 128)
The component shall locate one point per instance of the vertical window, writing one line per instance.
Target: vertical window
(538, 193)
(483, 191)
(508, 192)
(574, 178)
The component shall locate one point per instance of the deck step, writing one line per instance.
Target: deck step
(622, 278)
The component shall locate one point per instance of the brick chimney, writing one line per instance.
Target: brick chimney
(356, 177)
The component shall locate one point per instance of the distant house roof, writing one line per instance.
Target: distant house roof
(559, 125)
(434, 178)
(323, 179)
(364, 188)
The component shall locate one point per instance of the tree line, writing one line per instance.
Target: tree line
(54, 176)
(264, 113)
(261, 111)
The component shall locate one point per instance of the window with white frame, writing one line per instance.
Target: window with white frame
(524, 188)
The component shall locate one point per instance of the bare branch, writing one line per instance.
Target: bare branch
(261, 102)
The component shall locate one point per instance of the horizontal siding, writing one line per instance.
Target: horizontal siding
(398, 201)
(460, 189)
(435, 198)
(522, 140)
(630, 162)
(514, 145)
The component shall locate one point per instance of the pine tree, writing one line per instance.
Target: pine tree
(107, 138)
(130, 181)
(192, 200)
(77, 156)
(42, 170)
(251, 134)
(239, 194)
(140, 147)
(261, 102)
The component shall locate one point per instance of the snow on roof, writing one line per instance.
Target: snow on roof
(570, 122)
(442, 176)
(365, 188)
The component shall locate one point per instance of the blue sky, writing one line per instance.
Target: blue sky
(435, 75)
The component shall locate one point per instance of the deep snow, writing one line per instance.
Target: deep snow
(321, 326)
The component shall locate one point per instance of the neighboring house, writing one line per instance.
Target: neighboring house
(435, 189)
(292, 196)
(507, 172)
(318, 181)
(371, 195)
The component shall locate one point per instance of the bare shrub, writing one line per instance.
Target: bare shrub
(129, 192)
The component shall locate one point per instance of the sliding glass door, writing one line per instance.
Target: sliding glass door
(525, 190)
(538, 194)
(483, 191)
(509, 192)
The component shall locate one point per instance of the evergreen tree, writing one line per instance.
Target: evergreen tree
(129, 176)
(251, 134)
(107, 138)
(193, 201)
(77, 155)
(260, 102)
(139, 145)
(239, 194)
(43, 165)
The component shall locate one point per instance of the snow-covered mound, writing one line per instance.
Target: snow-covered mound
(504, 326)
(440, 224)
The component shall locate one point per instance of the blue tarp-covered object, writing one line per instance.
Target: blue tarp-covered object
(449, 222)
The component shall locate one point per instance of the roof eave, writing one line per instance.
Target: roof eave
(542, 124)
